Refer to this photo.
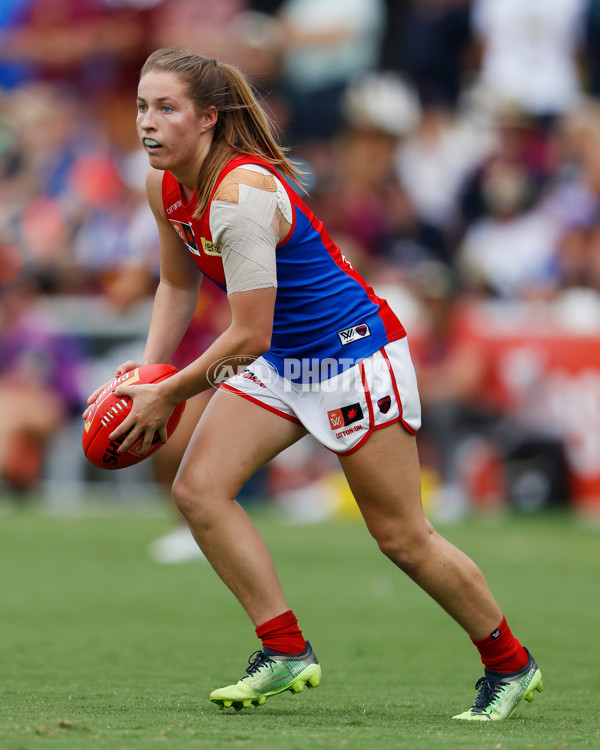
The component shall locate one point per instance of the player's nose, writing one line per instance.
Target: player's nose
(146, 121)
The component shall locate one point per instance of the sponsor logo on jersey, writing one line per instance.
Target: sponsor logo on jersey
(384, 404)
(343, 417)
(174, 207)
(350, 335)
(210, 248)
(187, 235)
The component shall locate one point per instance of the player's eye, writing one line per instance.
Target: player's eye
(142, 107)
(166, 108)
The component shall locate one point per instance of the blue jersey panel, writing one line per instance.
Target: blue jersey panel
(324, 320)
(326, 317)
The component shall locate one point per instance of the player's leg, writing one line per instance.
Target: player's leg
(384, 477)
(233, 439)
(178, 545)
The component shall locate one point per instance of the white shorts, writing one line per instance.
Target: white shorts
(340, 412)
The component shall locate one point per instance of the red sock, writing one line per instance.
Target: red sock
(501, 651)
(282, 634)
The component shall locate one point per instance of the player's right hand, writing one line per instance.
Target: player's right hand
(123, 368)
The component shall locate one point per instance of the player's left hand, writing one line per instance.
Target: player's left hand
(150, 412)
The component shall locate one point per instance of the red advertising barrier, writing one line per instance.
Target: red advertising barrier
(545, 373)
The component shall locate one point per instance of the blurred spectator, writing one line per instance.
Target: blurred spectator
(201, 25)
(516, 140)
(575, 199)
(580, 257)
(45, 136)
(428, 41)
(66, 205)
(39, 382)
(433, 164)
(327, 45)
(84, 43)
(592, 48)
(257, 49)
(510, 252)
(529, 52)
(358, 196)
(114, 244)
(90, 48)
(509, 246)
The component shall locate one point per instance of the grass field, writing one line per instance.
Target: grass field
(101, 648)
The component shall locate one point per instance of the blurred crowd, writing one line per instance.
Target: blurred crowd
(452, 148)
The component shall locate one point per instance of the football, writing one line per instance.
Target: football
(108, 411)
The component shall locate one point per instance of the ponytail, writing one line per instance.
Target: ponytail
(242, 125)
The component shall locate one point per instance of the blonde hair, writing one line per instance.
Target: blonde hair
(242, 126)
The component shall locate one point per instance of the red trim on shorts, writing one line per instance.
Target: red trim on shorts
(369, 400)
(360, 444)
(385, 424)
(364, 439)
(396, 393)
(260, 403)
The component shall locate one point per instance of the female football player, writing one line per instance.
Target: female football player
(320, 354)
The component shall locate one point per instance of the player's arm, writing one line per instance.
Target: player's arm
(177, 293)
(176, 296)
(247, 224)
(248, 230)
(249, 335)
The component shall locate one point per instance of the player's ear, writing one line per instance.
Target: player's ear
(209, 118)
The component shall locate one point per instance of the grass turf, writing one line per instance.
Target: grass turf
(101, 648)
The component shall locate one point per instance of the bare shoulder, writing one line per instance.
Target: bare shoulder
(154, 179)
(229, 187)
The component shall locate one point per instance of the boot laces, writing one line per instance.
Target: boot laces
(488, 691)
(256, 661)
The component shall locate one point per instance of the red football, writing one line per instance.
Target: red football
(108, 411)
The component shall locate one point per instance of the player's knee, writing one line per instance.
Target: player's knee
(199, 493)
(188, 494)
(181, 497)
(406, 548)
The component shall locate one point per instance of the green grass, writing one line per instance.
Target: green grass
(101, 648)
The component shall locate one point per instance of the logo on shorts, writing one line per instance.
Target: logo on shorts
(344, 416)
(350, 335)
(384, 404)
(236, 364)
(251, 376)
(496, 634)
